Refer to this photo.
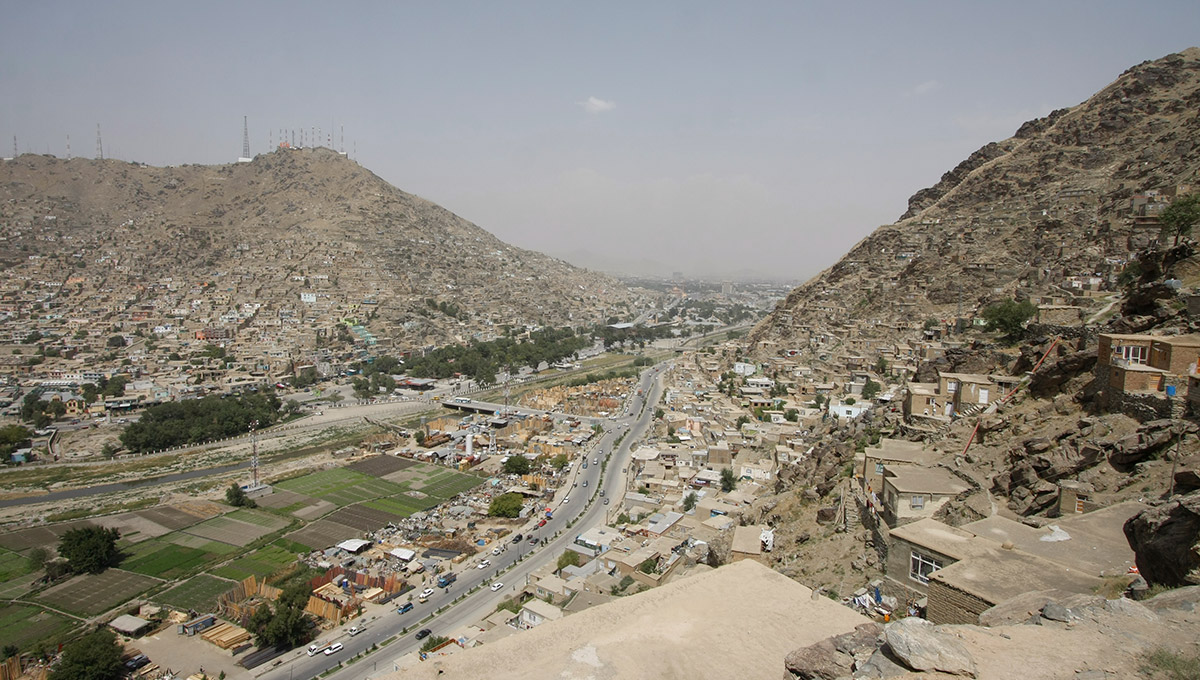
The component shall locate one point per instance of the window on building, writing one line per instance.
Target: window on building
(1134, 354)
(921, 566)
(951, 386)
(879, 468)
(916, 502)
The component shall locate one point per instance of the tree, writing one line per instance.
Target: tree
(434, 641)
(1178, 218)
(420, 437)
(13, 437)
(728, 481)
(115, 342)
(689, 501)
(37, 558)
(90, 549)
(286, 624)
(569, 558)
(506, 505)
(1008, 317)
(658, 413)
(95, 656)
(560, 461)
(881, 365)
(236, 497)
(791, 415)
(517, 465)
(870, 389)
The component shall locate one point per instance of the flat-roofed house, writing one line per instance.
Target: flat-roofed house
(911, 493)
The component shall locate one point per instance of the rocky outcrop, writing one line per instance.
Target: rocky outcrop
(919, 645)
(1166, 541)
(833, 657)
(927, 197)
(1148, 441)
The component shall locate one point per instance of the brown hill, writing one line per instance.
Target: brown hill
(290, 222)
(1071, 194)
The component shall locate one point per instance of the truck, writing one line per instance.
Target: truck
(446, 579)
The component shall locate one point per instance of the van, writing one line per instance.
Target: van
(314, 648)
(404, 608)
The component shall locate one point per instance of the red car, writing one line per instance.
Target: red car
(542, 523)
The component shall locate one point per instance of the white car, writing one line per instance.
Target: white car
(427, 592)
(496, 551)
(497, 586)
(566, 500)
(333, 649)
(354, 630)
(484, 564)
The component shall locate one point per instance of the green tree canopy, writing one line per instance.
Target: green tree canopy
(728, 480)
(870, 389)
(569, 558)
(13, 437)
(285, 624)
(236, 497)
(1008, 317)
(90, 549)
(560, 461)
(689, 501)
(95, 656)
(1178, 218)
(506, 505)
(517, 464)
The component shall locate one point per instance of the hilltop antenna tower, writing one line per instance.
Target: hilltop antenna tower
(68, 147)
(99, 144)
(245, 137)
(15, 154)
(343, 139)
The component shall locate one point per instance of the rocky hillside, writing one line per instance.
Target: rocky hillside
(1069, 195)
(291, 222)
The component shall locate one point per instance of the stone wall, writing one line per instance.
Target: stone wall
(951, 605)
(1047, 330)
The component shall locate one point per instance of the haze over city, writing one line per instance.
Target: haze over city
(715, 140)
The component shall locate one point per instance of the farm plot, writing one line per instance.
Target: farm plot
(133, 527)
(381, 466)
(92, 594)
(340, 486)
(190, 541)
(29, 538)
(199, 592)
(363, 517)
(261, 563)
(228, 530)
(165, 560)
(322, 534)
(25, 625)
(402, 504)
(258, 518)
(13, 565)
(449, 484)
(169, 517)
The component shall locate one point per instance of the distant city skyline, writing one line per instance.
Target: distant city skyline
(726, 142)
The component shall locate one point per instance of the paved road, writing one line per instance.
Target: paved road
(511, 567)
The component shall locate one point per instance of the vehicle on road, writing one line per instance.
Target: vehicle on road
(497, 550)
(425, 594)
(606, 501)
(354, 630)
(566, 499)
(333, 649)
(542, 523)
(595, 461)
(585, 483)
(532, 538)
(424, 633)
(484, 564)
(585, 465)
(446, 579)
(517, 538)
(314, 648)
(406, 607)
(497, 586)
(602, 493)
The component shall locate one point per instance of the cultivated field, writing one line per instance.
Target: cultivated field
(237, 532)
(322, 534)
(340, 486)
(363, 518)
(25, 625)
(199, 593)
(92, 594)
(263, 562)
(165, 560)
(381, 466)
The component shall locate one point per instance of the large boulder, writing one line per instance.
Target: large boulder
(833, 657)
(1166, 541)
(919, 645)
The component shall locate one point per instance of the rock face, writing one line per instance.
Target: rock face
(919, 645)
(833, 657)
(1166, 541)
(1015, 218)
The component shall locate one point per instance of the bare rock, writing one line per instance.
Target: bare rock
(919, 645)
(1187, 481)
(880, 665)
(820, 661)
(1166, 541)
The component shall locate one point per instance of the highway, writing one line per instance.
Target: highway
(577, 502)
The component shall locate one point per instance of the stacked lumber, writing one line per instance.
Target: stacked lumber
(226, 635)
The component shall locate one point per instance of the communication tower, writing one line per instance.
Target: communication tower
(99, 144)
(68, 147)
(245, 157)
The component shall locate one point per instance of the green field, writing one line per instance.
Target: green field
(12, 565)
(449, 484)
(199, 593)
(25, 625)
(340, 487)
(93, 594)
(401, 505)
(165, 560)
(258, 518)
(261, 563)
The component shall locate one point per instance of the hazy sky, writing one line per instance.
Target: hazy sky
(717, 139)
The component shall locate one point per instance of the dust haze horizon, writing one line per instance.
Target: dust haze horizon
(753, 141)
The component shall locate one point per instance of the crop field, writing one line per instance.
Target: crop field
(340, 487)
(261, 563)
(199, 592)
(362, 517)
(25, 625)
(231, 531)
(165, 560)
(259, 518)
(169, 517)
(283, 499)
(92, 594)
(190, 541)
(449, 484)
(401, 504)
(322, 534)
(12, 565)
(381, 466)
(28, 538)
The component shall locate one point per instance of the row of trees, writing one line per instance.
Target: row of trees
(179, 423)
